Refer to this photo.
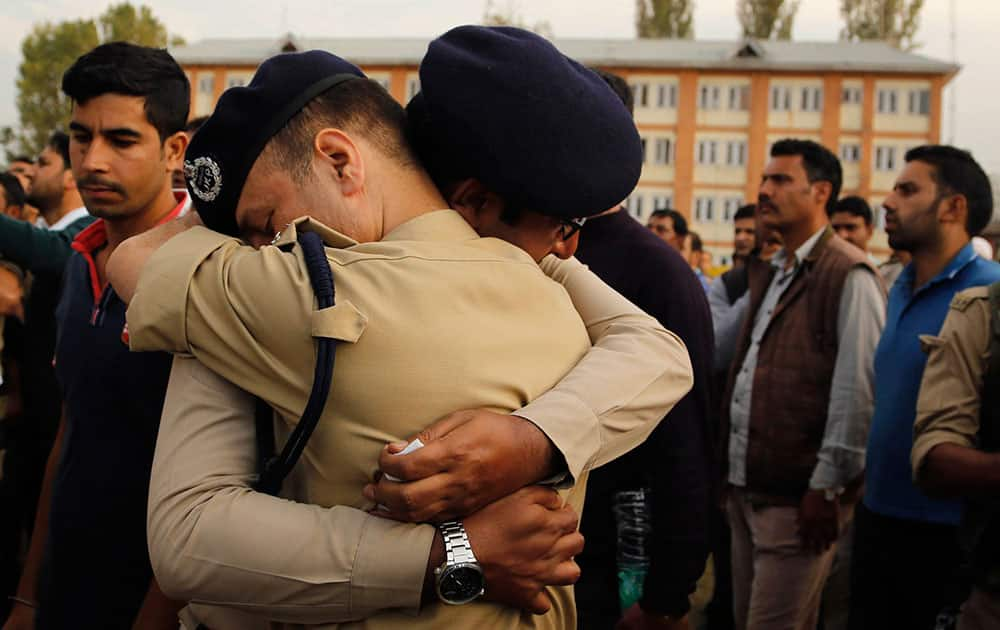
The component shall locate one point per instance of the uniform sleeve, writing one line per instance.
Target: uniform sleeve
(212, 540)
(860, 320)
(246, 314)
(633, 375)
(949, 402)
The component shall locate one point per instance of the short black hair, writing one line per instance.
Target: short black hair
(12, 189)
(748, 211)
(131, 70)
(21, 158)
(619, 86)
(195, 124)
(855, 206)
(680, 223)
(955, 171)
(59, 142)
(696, 244)
(820, 163)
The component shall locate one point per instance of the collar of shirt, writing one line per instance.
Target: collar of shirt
(439, 225)
(964, 257)
(68, 218)
(800, 254)
(95, 236)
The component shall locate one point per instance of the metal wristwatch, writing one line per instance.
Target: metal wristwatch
(460, 579)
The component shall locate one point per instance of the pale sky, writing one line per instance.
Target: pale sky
(977, 25)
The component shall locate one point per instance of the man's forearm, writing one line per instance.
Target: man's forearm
(126, 262)
(954, 470)
(617, 394)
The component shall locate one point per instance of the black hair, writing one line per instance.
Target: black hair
(855, 206)
(21, 158)
(59, 142)
(696, 244)
(12, 189)
(195, 124)
(362, 106)
(131, 70)
(680, 223)
(955, 171)
(748, 211)
(820, 164)
(619, 86)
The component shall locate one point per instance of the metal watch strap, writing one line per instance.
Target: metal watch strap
(456, 543)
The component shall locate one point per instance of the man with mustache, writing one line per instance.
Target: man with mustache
(799, 397)
(88, 565)
(413, 348)
(907, 562)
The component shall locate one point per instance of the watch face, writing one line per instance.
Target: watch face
(461, 583)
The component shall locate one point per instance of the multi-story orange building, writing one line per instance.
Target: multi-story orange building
(707, 110)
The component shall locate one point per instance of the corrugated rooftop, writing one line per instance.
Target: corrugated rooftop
(629, 53)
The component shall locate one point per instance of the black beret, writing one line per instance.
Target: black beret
(224, 150)
(504, 106)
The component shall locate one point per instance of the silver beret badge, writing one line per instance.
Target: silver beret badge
(204, 177)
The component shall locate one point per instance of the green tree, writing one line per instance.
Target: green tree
(50, 49)
(767, 19)
(664, 18)
(893, 21)
(509, 15)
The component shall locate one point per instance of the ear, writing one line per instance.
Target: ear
(474, 202)
(173, 150)
(954, 209)
(823, 191)
(339, 156)
(69, 182)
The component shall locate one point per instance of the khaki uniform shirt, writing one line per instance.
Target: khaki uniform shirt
(433, 319)
(951, 389)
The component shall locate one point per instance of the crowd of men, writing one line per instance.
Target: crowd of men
(814, 435)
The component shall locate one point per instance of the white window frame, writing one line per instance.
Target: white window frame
(666, 96)
(885, 158)
(739, 98)
(887, 101)
(708, 152)
(662, 201)
(811, 99)
(851, 96)
(704, 209)
(919, 102)
(663, 151)
(709, 97)
(780, 98)
(736, 153)
(640, 93)
(850, 152)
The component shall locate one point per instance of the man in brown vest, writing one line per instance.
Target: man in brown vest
(799, 399)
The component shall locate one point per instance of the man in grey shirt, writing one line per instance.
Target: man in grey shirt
(799, 402)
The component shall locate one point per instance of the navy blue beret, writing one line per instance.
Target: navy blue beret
(504, 106)
(224, 150)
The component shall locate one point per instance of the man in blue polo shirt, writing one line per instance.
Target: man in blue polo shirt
(88, 566)
(906, 554)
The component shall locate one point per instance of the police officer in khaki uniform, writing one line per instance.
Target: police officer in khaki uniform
(955, 447)
(201, 295)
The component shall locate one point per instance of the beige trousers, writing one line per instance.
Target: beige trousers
(777, 584)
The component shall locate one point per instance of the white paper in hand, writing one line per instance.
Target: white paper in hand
(412, 446)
